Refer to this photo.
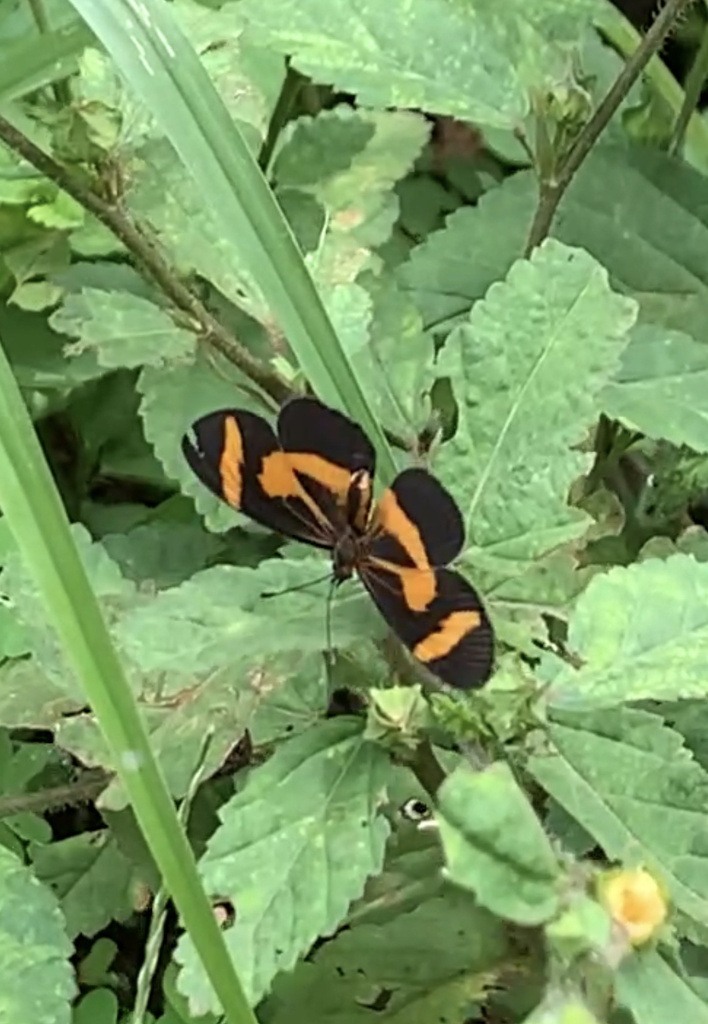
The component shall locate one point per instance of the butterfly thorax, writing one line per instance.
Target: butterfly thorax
(351, 543)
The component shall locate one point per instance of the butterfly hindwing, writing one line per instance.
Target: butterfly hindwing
(236, 454)
(451, 635)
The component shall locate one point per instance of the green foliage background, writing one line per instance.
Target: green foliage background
(342, 244)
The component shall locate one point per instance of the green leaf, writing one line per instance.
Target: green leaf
(19, 764)
(661, 388)
(617, 209)
(163, 553)
(396, 367)
(62, 213)
(361, 49)
(290, 702)
(125, 329)
(108, 585)
(37, 353)
(223, 616)
(639, 632)
(99, 1006)
(155, 57)
(36, 976)
(495, 846)
(632, 785)
(295, 847)
(348, 161)
(526, 371)
(411, 960)
(177, 708)
(91, 877)
(654, 993)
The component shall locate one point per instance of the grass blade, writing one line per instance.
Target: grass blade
(36, 517)
(162, 67)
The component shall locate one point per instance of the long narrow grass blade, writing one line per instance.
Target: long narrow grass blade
(35, 515)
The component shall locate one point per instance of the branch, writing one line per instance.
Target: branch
(552, 191)
(145, 250)
(147, 255)
(86, 789)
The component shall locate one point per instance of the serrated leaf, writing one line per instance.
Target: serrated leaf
(494, 845)
(617, 209)
(125, 330)
(654, 993)
(294, 848)
(359, 48)
(91, 877)
(224, 616)
(163, 553)
(396, 367)
(411, 959)
(661, 388)
(35, 296)
(37, 353)
(247, 77)
(632, 785)
(114, 591)
(639, 632)
(290, 704)
(178, 707)
(191, 234)
(348, 161)
(36, 976)
(526, 371)
(62, 213)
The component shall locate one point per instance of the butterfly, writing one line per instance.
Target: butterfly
(311, 479)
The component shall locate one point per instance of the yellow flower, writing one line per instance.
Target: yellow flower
(635, 900)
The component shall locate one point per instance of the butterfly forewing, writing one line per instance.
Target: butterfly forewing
(327, 451)
(236, 454)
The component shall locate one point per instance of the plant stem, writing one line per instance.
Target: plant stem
(292, 84)
(692, 90)
(146, 252)
(88, 788)
(551, 191)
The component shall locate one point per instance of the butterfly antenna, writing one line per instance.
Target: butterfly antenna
(299, 586)
(329, 650)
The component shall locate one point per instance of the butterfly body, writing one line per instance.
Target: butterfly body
(313, 481)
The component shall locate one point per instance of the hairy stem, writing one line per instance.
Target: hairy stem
(552, 190)
(145, 251)
(87, 788)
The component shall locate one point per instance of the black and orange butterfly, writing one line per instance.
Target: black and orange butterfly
(313, 482)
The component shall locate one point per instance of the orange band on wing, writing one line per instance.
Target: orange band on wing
(278, 480)
(448, 634)
(328, 474)
(391, 518)
(419, 586)
(231, 463)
